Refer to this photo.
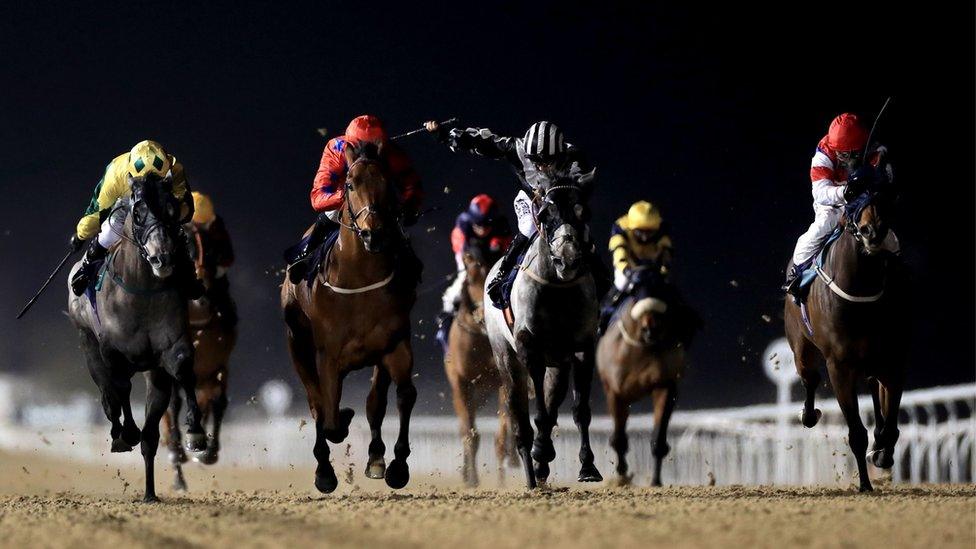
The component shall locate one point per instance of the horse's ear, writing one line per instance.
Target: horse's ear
(351, 153)
(134, 184)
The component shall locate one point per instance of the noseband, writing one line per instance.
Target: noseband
(354, 217)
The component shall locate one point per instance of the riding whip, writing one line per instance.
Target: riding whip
(46, 282)
(422, 129)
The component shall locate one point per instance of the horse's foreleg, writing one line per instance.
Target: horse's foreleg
(179, 363)
(399, 364)
(100, 370)
(217, 404)
(620, 411)
(582, 384)
(375, 412)
(504, 445)
(463, 400)
(664, 399)
(843, 378)
(883, 452)
(808, 368)
(158, 386)
(550, 386)
(173, 438)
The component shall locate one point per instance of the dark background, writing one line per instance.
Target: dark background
(711, 113)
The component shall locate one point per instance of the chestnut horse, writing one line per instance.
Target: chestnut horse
(213, 327)
(471, 370)
(642, 353)
(858, 315)
(354, 314)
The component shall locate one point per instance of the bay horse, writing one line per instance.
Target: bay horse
(554, 310)
(642, 353)
(354, 314)
(213, 325)
(858, 325)
(470, 367)
(139, 323)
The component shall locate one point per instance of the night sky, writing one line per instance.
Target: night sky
(713, 115)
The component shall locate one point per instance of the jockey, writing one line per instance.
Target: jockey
(838, 177)
(541, 158)
(482, 225)
(147, 159)
(216, 247)
(328, 187)
(638, 239)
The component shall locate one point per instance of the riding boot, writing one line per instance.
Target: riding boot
(94, 256)
(515, 250)
(607, 308)
(444, 321)
(298, 256)
(794, 278)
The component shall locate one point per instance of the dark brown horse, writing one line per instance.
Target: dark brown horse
(356, 314)
(213, 327)
(471, 370)
(642, 354)
(858, 314)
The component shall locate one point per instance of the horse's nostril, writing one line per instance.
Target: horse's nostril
(155, 261)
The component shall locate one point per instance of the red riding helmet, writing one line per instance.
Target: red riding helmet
(482, 210)
(366, 128)
(846, 133)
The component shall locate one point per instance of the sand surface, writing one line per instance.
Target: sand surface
(56, 504)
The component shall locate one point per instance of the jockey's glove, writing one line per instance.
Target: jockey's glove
(76, 243)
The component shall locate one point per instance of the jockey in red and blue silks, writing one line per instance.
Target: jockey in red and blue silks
(328, 188)
(481, 225)
(838, 175)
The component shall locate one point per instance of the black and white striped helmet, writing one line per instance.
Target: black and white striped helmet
(544, 141)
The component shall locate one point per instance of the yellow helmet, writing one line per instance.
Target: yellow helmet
(644, 216)
(203, 209)
(148, 157)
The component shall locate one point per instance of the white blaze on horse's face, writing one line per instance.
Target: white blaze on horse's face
(159, 250)
(566, 252)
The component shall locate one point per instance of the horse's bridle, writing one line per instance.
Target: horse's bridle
(369, 210)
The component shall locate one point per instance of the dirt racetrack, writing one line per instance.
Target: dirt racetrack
(46, 503)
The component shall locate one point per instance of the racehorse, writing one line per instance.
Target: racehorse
(858, 324)
(642, 353)
(471, 369)
(138, 323)
(355, 313)
(213, 324)
(554, 318)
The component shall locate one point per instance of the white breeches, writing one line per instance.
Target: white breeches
(825, 220)
(114, 225)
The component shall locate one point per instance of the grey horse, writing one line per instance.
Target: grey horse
(139, 324)
(554, 307)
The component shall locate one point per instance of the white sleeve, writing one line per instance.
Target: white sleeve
(523, 212)
(826, 193)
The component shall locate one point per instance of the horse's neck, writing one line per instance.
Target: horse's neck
(129, 265)
(855, 272)
(542, 259)
(351, 263)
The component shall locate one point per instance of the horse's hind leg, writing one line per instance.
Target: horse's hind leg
(375, 412)
(101, 373)
(664, 398)
(516, 394)
(619, 410)
(218, 406)
(843, 378)
(171, 430)
(550, 390)
(582, 384)
(158, 386)
(399, 363)
(504, 445)
(887, 405)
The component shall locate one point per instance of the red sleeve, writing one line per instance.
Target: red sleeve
(407, 179)
(328, 189)
(457, 239)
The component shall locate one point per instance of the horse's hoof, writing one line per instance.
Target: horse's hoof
(376, 469)
(180, 485)
(119, 445)
(326, 483)
(881, 459)
(471, 481)
(195, 442)
(131, 435)
(543, 451)
(150, 498)
(589, 473)
(810, 419)
(177, 457)
(624, 480)
(541, 471)
(209, 457)
(397, 474)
